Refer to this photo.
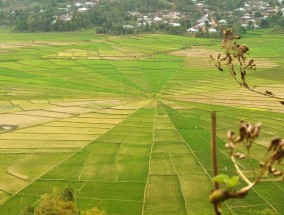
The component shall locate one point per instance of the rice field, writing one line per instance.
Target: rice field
(125, 121)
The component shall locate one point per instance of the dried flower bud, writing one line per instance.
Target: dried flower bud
(261, 164)
(218, 196)
(276, 143)
(240, 155)
(272, 169)
(243, 131)
(255, 131)
(231, 135)
(249, 128)
(278, 173)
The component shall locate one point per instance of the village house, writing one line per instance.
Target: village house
(78, 4)
(212, 30)
(128, 26)
(175, 24)
(65, 17)
(192, 30)
(157, 19)
(222, 22)
(82, 9)
(90, 4)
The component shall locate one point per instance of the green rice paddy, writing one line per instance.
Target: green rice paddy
(125, 121)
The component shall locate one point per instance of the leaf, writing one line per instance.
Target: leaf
(221, 178)
(232, 182)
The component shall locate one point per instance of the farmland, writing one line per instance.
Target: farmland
(125, 121)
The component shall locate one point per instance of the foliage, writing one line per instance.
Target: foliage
(59, 203)
(29, 211)
(230, 183)
(52, 205)
(93, 211)
(110, 16)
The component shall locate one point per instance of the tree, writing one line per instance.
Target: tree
(264, 23)
(57, 204)
(257, 14)
(29, 211)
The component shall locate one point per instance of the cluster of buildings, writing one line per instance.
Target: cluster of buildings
(172, 18)
(80, 7)
(249, 15)
(254, 11)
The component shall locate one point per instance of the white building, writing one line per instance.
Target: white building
(157, 19)
(78, 4)
(222, 21)
(175, 24)
(212, 30)
(192, 30)
(128, 26)
(82, 9)
(240, 9)
(90, 4)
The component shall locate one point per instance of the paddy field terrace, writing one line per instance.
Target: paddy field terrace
(125, 121)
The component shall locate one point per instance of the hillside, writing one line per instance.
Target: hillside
(118, 17)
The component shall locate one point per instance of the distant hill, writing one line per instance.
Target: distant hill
(138, 16)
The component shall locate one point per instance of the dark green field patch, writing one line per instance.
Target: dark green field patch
(114, 190)
(132, 167)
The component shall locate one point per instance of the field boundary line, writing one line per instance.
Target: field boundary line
(277, 185)
(191, 150)
(43, 174)
(122, 73)
(13, 164)
(122, 200)
(4, 191)
(174, 73)
(72, 154)
(266, 202)
(142, 73)
(180, 184)
(79, 177)
(112, 80)
(246, 206)
(116, 165)
(150, 157)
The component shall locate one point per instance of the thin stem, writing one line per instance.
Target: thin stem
(240, 171)
(255, 91)
(214, 157)
(251, 164)
(213, 145)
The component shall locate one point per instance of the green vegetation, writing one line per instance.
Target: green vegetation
(124, 121)
(135, 16)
